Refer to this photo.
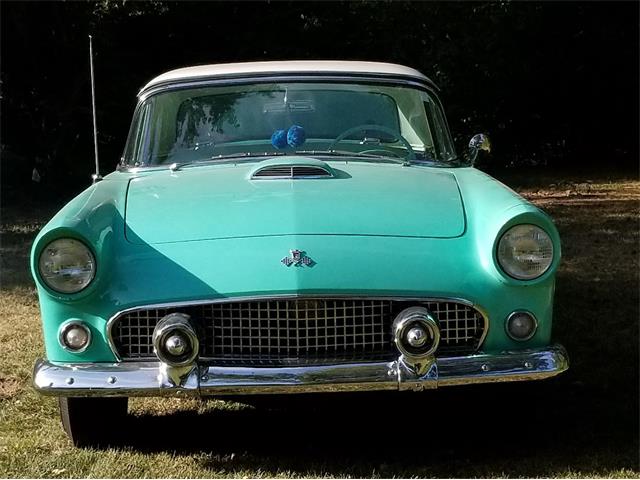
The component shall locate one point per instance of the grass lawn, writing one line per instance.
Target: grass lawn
(581, 424)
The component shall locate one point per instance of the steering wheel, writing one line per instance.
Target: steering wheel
(378, 128)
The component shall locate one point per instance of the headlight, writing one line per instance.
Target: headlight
(525, 252)
(66, 265)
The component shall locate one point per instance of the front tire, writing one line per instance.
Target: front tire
(94, 421)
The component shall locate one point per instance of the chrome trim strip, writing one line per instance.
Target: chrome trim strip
(195, 303)
(148, 379)
(284, 77)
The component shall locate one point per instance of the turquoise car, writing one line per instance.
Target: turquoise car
(289, 227)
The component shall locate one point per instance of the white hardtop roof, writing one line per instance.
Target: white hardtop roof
(294, 66)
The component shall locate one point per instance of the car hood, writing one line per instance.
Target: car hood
(223, 201)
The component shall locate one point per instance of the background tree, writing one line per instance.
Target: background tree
(552, 83)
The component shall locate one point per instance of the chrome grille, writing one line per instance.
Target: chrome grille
(288, 328)
(299, 330)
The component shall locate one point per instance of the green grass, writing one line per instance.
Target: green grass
(581, 424)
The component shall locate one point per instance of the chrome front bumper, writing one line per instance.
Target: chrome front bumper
(156, 379)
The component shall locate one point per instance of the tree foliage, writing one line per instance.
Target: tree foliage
(552, 83)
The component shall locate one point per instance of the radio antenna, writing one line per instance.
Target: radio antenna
(96, 176)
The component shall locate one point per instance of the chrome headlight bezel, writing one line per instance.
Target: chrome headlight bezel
(64, 329)
(535, 234)
(85, 258)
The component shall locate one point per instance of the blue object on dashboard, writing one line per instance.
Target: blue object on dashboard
(296, 136)
(279, 139)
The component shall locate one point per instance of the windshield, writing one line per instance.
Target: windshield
(372, 121)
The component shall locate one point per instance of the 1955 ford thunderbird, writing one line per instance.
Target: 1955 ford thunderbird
(288, 227)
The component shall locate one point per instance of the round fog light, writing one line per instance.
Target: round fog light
(176, 344)
(175, 341)
(417, 336)
(416, 333)
(74, 336)
(521, 326)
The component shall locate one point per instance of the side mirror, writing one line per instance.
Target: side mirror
(479, 142)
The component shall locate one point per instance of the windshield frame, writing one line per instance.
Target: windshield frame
(255, 79)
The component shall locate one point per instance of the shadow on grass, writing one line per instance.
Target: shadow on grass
(446, 431)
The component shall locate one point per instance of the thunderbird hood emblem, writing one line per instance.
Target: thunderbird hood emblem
(298, 258)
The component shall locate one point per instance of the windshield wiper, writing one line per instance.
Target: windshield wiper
(231, 156)
(342, 153)
(326, 153)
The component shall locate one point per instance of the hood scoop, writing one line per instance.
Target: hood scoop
(292, 170)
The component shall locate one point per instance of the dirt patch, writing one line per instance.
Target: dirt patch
(9, 387)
